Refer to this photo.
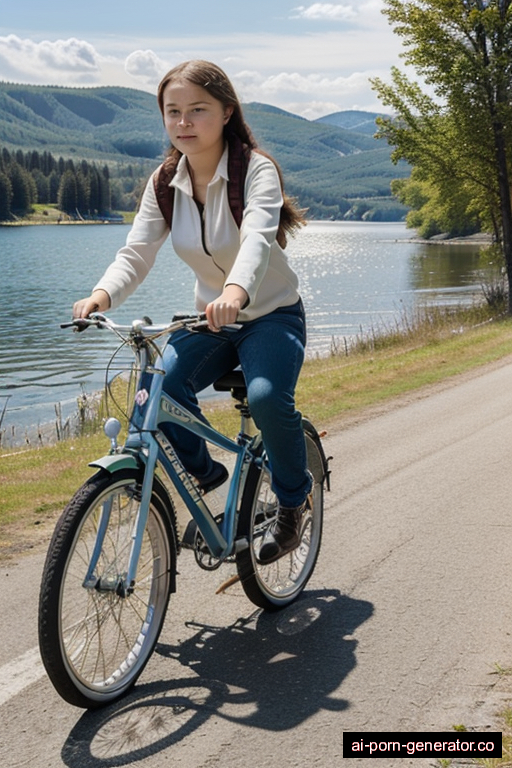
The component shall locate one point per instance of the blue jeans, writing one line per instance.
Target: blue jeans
(270, 351)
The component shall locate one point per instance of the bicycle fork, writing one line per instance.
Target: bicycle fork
(220, 542)
(123, 583)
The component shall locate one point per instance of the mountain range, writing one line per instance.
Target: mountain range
(334, 165)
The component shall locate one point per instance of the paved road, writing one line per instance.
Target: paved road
(401, 628)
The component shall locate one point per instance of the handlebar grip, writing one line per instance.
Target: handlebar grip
(79, 324)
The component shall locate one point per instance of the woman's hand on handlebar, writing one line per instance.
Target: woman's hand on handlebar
(225, 309)
(98, 301)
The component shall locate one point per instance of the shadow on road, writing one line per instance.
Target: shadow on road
(268, 671)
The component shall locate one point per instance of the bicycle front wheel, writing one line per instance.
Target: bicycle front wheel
(278, 584)
(94, 640)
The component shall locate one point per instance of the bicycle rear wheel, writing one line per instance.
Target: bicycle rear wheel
(95, 642)
(278, 584)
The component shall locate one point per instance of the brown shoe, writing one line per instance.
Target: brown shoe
(283, 535)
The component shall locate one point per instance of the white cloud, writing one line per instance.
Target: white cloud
(325, 11)
(66, 61)
(310, 96)
(146, 66)
(313, 84)
(310, 75)
(312, 109)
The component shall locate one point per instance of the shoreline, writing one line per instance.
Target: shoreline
(46, 214)
(38, 219)
(480, 238)
(59, 223)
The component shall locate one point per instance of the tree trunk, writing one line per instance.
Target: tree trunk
(505, 204)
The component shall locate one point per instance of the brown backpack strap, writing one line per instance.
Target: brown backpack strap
(238, 162)
(164, 193)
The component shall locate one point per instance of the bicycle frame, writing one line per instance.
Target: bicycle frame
(111, 564)
(147, 447)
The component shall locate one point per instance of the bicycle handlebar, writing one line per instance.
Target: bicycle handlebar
(143, 327)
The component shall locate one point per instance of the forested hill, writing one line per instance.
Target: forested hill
(353, 120)
(333, 165)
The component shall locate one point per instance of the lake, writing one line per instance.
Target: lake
(354, 277)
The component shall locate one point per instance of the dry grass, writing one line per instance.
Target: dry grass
(505, 761)
(35, 484)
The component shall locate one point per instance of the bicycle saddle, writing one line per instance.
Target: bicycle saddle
(232, 380)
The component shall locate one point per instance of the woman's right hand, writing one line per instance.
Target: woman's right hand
(98, 301)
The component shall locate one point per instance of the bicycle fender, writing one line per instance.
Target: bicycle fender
(112, 462)
(313, 434)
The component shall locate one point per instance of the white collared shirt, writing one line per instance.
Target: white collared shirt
(249, 256)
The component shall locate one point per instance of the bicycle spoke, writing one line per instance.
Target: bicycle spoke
(274, 585)
(105, 639)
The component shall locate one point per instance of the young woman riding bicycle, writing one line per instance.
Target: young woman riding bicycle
(242, 275)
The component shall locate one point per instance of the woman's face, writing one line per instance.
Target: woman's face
(194, 120)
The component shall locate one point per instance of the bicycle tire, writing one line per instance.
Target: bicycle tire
(95, 643)
(278, 584)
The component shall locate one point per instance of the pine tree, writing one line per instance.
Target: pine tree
(43, 186)
(67, 199)
(24, 191)
(5, 197)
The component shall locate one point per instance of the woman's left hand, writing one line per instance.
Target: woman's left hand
(225, 309)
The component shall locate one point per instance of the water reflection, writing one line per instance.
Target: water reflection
(354, 277)
(436, 267)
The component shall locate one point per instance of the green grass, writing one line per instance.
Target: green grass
(50, 214)
(35, 484)
(340, 386)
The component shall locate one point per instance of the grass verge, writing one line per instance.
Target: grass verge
(48, 213)
(337, 386)
(35, 484)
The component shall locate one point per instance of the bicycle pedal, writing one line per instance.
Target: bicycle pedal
(206, 560)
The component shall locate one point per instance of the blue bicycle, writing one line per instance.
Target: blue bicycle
(112, 562)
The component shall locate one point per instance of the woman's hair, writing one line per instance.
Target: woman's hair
(214, 80)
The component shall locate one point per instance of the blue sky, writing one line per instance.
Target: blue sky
(310, 59)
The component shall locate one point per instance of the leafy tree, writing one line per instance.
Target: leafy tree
(437, 208)
(460, 138)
